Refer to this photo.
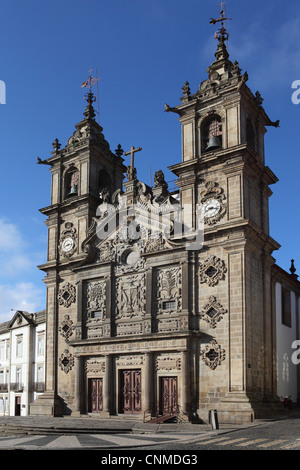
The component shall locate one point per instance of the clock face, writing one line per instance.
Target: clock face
(211, 208)
(67, 244)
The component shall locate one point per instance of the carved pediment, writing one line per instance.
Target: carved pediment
(21, 319)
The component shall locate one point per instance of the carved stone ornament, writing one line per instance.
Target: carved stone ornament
(213, 203)
(67, 244)
(169, 289)
(66, 328)
(96, 298)
(213, 312)
(131, 296)
(211, 271)
(67, 295)
(95, 367)
(128, 258)
(168, 363)
(66, 361)
(213, 354)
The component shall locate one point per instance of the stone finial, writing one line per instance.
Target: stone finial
(89, 112)
(293, 270)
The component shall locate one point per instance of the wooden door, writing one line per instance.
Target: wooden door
(17, 406)
(168, 402)
(96, 395)
(131, 391)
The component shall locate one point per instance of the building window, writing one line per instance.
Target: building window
(19, 348)
(7, 350)
(2, 350)
(286, 317)
(169, 305)
(41, 345)
(71, 183)
(18, 376)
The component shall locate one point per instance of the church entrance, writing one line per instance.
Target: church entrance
(168, 396)
(130, 391)
(95, 395)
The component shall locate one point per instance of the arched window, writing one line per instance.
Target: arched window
(71, 182)
(250, 134)
(211, 133)
(104, 185)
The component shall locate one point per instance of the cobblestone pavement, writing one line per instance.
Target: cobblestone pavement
(89, 441)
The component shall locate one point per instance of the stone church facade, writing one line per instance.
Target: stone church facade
(146, 318)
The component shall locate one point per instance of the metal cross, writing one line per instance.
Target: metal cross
(131, 153)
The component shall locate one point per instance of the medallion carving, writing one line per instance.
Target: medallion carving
(213, 354)
(212, 312)
(211, 271)
(66, 361)
(67, 327)
(67, 295)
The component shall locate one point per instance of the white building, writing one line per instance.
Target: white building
(22, 362)
(287, 310)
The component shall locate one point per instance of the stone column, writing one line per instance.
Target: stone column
(107, 388)
(78, 385)
(185, 383)
(148, 383)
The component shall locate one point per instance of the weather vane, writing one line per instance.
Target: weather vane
(90, 81)
(222, 32)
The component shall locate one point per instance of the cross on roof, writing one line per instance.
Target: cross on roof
(132, 151)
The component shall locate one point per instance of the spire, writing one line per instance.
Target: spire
(222, 57)
(89, 97)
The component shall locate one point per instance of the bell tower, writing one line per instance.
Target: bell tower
(223, 171)
(84, 174)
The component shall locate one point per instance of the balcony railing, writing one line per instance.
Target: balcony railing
(3, 387)
(16, 387)
(38, 387)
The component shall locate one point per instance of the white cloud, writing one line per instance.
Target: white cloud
(17, 257)
(10, 237)
(17, 268)
(272, 57)
(22, 296)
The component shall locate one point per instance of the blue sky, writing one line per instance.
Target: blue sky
(144, 52)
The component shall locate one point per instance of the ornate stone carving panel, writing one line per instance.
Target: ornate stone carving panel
(95, 366)
(169, 290)
(95, 309)
(96, 299)
(168, 362)
(130, 296)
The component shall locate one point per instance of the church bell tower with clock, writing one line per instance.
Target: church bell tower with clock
(223, 169)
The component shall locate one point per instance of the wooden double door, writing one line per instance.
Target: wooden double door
(168, 396)
(96, 395)
(131, 391)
